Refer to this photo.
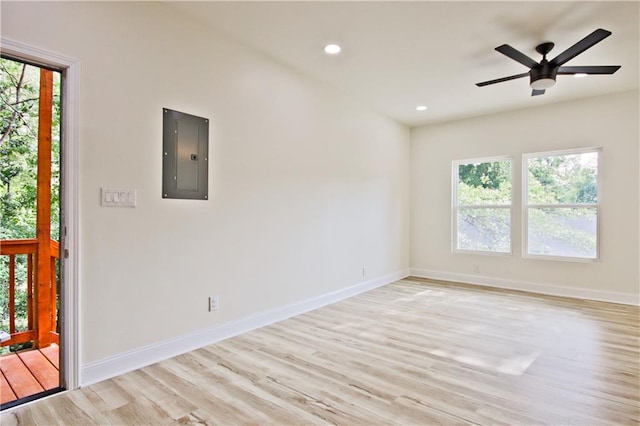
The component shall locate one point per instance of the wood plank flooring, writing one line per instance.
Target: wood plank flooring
(29, 372)
(413, 352)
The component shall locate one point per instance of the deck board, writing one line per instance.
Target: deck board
(19, 377)
(42, 369)
(52, 354)
(29, 372)
(6, 394)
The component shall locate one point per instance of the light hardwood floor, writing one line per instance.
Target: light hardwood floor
(413, 352)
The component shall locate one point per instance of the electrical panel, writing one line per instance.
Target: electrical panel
(185, 147)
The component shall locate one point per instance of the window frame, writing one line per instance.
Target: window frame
(526, 206)
(455, 207)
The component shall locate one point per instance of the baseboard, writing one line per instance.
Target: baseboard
(529, 286)
(106, 368)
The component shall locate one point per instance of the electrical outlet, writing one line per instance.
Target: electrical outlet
(213, 303)
(476, 269)
(364, 271)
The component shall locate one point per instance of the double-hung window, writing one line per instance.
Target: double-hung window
(481, 213)
(561, 208)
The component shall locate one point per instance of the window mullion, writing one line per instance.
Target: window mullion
(559, 206)
(485, 206)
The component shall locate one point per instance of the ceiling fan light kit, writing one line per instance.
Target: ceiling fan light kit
(542, 75)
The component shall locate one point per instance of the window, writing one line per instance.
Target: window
(561, 204)
(482, 205)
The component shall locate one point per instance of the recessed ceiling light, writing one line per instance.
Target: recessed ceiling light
(421, 108)
(332, 49)
(580, 75)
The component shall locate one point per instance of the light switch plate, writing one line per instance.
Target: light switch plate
(113, 197)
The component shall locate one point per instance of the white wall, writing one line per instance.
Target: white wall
(610, 122)
(305, 186)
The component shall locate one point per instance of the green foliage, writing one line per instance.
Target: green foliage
(563, 179)
(484, 183)
(486, 175)
(567, 232)
(555, 180)
(19, 95)
(484, 229)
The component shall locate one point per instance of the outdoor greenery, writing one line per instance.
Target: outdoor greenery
(562, 195)
(485, 183)
(19, 95)
(484, 212)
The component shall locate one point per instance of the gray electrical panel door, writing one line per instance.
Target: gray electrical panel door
(185, 146)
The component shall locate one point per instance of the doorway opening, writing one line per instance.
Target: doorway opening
(30, 231)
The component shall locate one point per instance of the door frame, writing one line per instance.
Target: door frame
(69, 199)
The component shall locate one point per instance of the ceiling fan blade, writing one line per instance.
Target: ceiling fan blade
(587, 42)
(516, 55)
(500, 80)
(595, 69)
(535, 92)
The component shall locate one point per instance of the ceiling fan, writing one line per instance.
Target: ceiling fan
(543, 74)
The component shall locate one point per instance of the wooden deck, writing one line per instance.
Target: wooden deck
(29, 372)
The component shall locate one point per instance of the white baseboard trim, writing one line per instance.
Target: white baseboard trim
(532, 287)
(112, 366)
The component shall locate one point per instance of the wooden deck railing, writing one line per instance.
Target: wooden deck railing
(42, 253)
(35, 319)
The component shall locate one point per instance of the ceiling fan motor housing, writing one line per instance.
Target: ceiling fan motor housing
(543, 71)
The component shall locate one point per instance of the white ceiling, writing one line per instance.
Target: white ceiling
(397, 55)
